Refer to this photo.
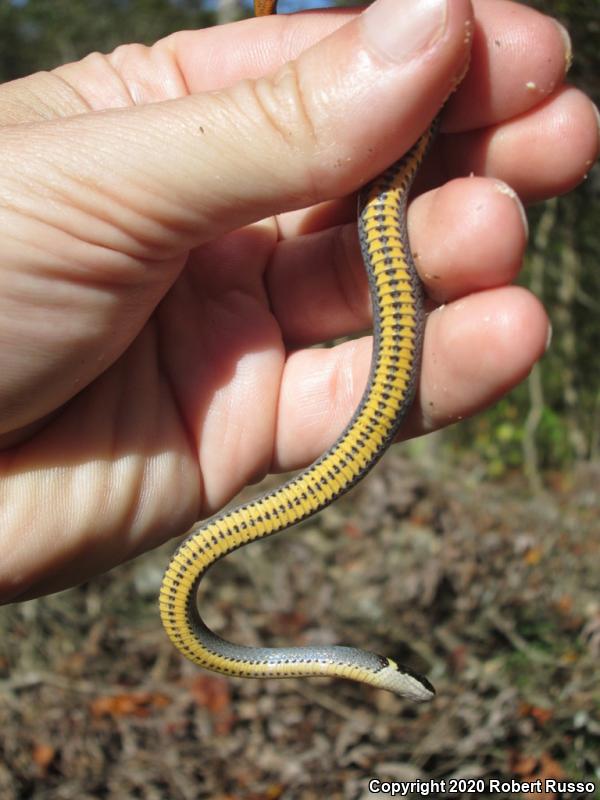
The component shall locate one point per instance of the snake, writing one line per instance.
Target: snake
(397, 299)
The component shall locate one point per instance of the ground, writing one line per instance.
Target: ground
(491, 592)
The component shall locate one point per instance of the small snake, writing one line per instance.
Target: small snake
(398, 321)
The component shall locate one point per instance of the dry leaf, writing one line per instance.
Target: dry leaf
(136, 704)
(43, 754)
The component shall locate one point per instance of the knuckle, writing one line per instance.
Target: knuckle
(282, 112)
(285, 106)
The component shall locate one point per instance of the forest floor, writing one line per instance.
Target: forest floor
(490, 592)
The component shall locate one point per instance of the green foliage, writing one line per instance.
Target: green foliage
(569, 287)
(569, 423)
(40, 34)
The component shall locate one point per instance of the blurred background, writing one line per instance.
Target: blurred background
(471, 555)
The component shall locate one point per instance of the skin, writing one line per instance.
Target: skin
(167, 265)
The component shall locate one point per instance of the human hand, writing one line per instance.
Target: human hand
(156, 337)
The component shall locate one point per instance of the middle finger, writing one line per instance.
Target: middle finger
(466, 236)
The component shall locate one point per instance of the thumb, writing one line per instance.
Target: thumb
(182, 171)
(98, 210)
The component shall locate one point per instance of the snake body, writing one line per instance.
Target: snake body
(398, 320)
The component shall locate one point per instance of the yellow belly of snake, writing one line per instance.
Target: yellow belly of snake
(398, 319)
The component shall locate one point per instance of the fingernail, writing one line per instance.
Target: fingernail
(597, 113)
(548, 337)
(399, 29)
(567, 42)
(504, 188)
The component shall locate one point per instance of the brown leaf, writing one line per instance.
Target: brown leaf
(274, 791)
(133, 704)
(549, 768)
(458, 658)
(540, 715)
(214, 694)
(530, 769)
(523, 765)
(289, 622)
(353, 531)
(564, 604)
(43, 754)
(533, 556)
